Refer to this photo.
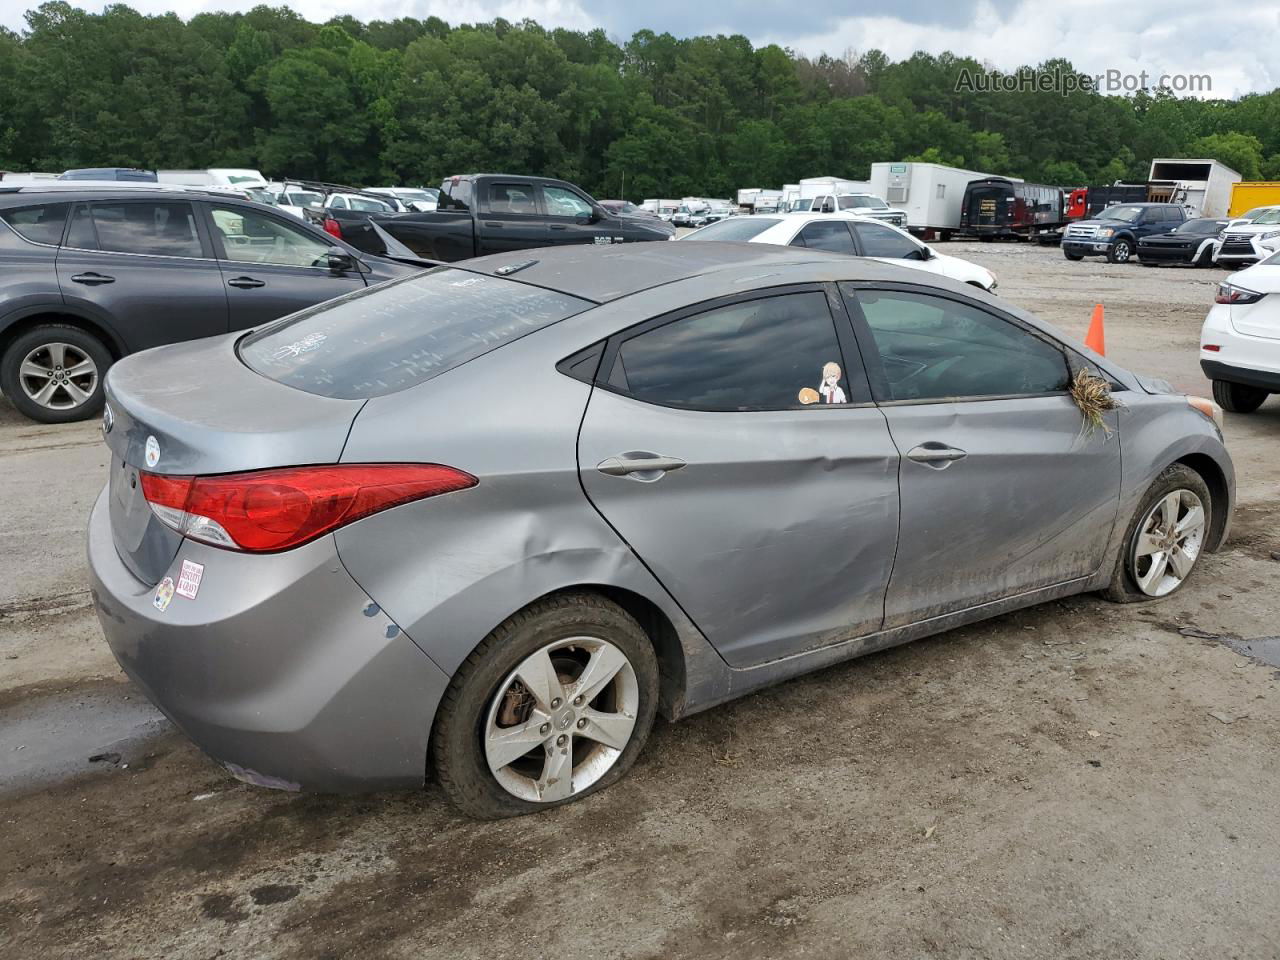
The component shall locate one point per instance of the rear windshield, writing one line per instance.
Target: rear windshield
(734, 230)
(401, 333)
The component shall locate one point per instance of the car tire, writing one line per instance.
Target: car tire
(1237, 397)
(1073, 256)
(1121, 251)
(72, 396)
(471, 715)
(1135, 577)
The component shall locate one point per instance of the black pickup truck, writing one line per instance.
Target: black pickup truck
(492, 213)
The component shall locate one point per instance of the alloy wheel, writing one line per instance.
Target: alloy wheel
(561, 719)
(1168, 543)
(58, 376)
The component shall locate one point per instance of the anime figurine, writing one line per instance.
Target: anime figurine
(830, 388)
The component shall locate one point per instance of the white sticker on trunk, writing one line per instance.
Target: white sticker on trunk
(152, 453)
(189, 579)
(164, 594)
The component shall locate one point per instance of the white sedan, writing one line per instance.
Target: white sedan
(1240, 339)
(845, 233)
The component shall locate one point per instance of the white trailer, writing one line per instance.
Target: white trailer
(767, 201)
(747, 197)
(790, 194)
(930, 193)
(1202, 187)
(831, 186)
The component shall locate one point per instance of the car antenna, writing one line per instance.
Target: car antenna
(511, 268)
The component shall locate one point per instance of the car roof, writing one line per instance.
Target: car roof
(69, 191)
(604, 273)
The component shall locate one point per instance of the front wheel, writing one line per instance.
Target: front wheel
(1073, 256)
(1121, 251)
(1238, 398)
(54, 373)
(1165, 538)
(554, 705)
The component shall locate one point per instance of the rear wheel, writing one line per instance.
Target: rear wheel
(1237, 397)
(1121, 251)
(555, 704)
(1165, 538)
(54, 373)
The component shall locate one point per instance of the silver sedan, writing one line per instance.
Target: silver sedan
(483, 524)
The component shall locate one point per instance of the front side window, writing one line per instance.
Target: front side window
(156, 228)
(251, 237)
(932, 348)
(775, 353)
(881, 241)
(42, 224)
(830, 235)
(564, 203)
(512, 198)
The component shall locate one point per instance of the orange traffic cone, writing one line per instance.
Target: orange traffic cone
(1095, 339)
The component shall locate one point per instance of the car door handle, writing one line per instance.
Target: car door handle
(559, 226)
(494, 224)
(639, 465)
(246, 283)
(939, 456)
(92, 279)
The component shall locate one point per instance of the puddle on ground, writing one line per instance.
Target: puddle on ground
(48, 737)
(1263, 649)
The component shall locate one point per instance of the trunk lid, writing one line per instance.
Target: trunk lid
(194, 408)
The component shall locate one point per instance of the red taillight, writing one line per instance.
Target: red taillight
(332, 227)
(270, 510)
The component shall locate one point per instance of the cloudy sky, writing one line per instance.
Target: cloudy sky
(1233, 43)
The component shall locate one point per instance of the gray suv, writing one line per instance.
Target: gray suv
(90, 274)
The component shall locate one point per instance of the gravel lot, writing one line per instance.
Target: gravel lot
(1048, 784)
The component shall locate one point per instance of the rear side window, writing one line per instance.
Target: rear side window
(512, 198)
(402, 333)
(932, 348)
(830, 235)
(455, 194)
(771, 354)
(155, 228)
(42, 224)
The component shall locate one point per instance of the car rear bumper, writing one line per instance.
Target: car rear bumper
(1263, 379)
(281, 668)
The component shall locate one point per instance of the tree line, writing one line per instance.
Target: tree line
(412, 101)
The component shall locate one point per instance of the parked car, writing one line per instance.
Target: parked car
(843, 233)
(417, 199)
(1240, 339)
(491, 213)
(1244, 243)
(491, 519)
(717, 211)
(1115, 232)
(104, 174)
(859, 204)
(1192, 242)
(88, 275)
(214, 177)
(689, 215)
(363, 203)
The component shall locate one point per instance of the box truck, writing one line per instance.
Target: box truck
(931, 193)
(1248, 194)
(1201, 187)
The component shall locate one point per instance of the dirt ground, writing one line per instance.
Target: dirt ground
(1053, 783)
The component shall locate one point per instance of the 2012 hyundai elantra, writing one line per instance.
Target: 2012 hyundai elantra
(491, 519)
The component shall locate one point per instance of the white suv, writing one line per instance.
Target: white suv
(1240, 339)
(1256, 239)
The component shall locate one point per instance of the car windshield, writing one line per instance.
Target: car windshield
(1271, 216)
(1250, 214)
(1126, 213)
(304, 198)
(401, 333)
(801, 206)
(1271, 261)
(734, 230)
(234, 178)
(1206, 226)
(862, 200)
(428, 195)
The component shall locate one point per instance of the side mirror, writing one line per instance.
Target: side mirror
(340, 261)
(828, 207)
(926, 253)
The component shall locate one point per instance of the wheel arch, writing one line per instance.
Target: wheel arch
(1216, 480)
(17, 324)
